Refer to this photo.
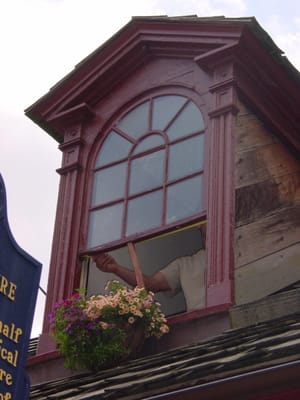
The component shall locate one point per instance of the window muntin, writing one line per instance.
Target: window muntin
(114, 148)
(164, 110)
(187, 121)
(192, 161)
(162, 155)
(136, 122)
(109, 184)
(143, 213)
(184, 199)
(147, 172)
(105, 225)
(148, 143)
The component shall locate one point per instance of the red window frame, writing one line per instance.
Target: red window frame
(165, 182)
(218, 199)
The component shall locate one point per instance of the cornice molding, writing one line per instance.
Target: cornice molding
(217, 112)
(75, 166)
(78, 113)
(209, 60)
(77, 141)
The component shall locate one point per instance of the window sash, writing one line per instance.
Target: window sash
(164, 179)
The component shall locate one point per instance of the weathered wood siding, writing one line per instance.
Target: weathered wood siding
(267, 230)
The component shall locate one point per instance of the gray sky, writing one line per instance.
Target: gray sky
(41, 41)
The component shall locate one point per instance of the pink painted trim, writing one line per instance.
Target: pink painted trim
(188, 316)
(42, 358)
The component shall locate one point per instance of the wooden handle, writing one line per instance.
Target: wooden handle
(136, 265)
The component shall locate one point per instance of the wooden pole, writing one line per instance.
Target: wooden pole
(136, 265)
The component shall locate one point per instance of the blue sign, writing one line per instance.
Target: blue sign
(19, 283)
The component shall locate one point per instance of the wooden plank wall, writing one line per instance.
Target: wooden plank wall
(267, 201)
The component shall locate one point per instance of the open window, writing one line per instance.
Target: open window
(153, 255)
(148, 181)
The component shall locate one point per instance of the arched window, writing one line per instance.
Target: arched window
(148, 174)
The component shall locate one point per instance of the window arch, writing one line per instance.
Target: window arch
(149, 170)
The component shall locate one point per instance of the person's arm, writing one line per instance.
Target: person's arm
(106, 263)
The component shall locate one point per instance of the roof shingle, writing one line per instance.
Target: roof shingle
(236, 351)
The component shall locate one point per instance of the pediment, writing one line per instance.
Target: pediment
(137, 43)
(144, 39)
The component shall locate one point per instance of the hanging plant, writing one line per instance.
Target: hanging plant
(102, 330)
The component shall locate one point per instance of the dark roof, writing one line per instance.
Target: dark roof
(236, 352)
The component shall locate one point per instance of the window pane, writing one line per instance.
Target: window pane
(105, 225)
(149, 143)
(136, 122)
(184, 199)
(186, 157)
(113, 149)
(144, 213)
(188, 121)
(147, 172)
(109, 184)
(164, 109)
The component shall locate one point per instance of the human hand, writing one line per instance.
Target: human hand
(105, 262)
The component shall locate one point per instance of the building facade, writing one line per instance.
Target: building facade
(171, 124)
